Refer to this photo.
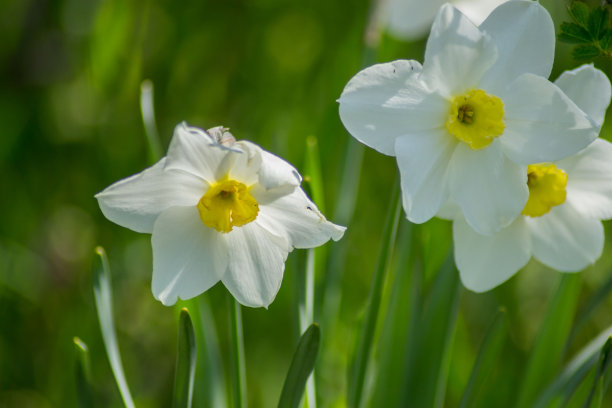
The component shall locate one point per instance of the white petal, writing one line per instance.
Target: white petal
(193, 151)
(589, 182)
(242, 163)
(256, 265)
(423, 160)
(136, 201)
(490, 189)
(564, 240)
(457, 53)
(411, 19)
(589, 88)
(450, 210)
(188, 257)
(298, 220)
(276, 174)
(542, 123)
(385, 101)
(525, 37)
(477, 10)
(485, 262)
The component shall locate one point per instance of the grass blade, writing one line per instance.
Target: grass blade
(602, 368)
(83, 375)
(104, 306)
(147, 110)
(302, 365)
(185, 363)
(430, 355)
(574, 372)
(238, 363)
(487, 358)
(369, 327)
(548, 349)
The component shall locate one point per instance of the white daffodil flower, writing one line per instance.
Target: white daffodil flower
(411, 19)
(218, 209)
(560, 224)
(465, 124)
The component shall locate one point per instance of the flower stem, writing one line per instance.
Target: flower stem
(374, 299)
(238, 367)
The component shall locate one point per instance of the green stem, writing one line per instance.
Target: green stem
(374, 299)
(238, 367)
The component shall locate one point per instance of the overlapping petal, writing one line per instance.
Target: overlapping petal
(542, 123)
(524, 34)
(485, 262)
(135, 202)
(589, 88)
(298, 220)
(565, 240)
(256, 265)
(385, 101)
(490, 189)
(589, 185)
(188, 258)
(423, 160)
(457, 53)
(193, 151)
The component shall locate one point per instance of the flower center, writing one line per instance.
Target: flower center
(546, 189)
(476, 118)
(227, 204)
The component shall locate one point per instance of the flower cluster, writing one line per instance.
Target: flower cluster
(482, 137)
(218, 210)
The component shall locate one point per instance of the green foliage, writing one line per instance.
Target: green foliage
(591, 30)
(184, 377)
(302, 365)
(103, 294)
(84, 390)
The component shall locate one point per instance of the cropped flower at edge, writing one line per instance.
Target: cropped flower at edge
(560, 225)
(411, 19)
(465, 124)
(218, 209)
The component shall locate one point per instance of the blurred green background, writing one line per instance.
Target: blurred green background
(271, 70)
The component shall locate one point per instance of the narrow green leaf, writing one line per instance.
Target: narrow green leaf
(597, 21)
(104, 306)
(401, 320)
(430, 357)
(574, 34)
(184, 376)
(565, 384)
(147, 111)
(238, 362)
(83, 375)
(364, 348)
(586, 52)
(606, 40)
(547, 352)
(487, 358)
(602, 368)
(301, 366)
(580, 12)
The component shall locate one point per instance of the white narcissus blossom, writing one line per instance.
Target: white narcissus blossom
(560, 224)
(218, 209)
(465, 124)
(411, 19)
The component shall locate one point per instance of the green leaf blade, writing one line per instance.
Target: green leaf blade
(582, 52)
(83, 375)
(574, 34)
(302, 365)
(104, 306)
(580, 12)
(184, 378)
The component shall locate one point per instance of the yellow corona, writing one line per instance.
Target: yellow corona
(547, 185)
(227, 204)
(476, 118)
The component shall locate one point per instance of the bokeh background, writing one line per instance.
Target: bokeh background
(271, 70)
